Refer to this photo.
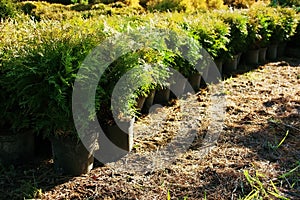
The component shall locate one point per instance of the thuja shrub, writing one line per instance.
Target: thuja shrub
(181, 5)
(292, 3)
(215, 4)
(47, 11)
(286, 24)
(39, 66)
(126, 2)
(243, 3)
(212, 33)
(7, 9)
(65, 2)
(295, 40)
(165, 5)
(145, 68)
(270, 25)
(238, 23)
(195, 5)
(263, 20)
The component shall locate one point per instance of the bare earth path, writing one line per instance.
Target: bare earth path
(260, 139)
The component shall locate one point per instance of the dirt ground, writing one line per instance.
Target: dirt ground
(255, 152)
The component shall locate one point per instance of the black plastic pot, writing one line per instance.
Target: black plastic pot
(219, 64)
(251, 56)
(122, 134)
(178, 88)
(230, 65)
(162, 96)
(293, 52)
(148, 102)
(16, 148)
(195, 80)
(116, 142)
(272, 52)
(140, 103)
(71, 156)
(281, 49)
(262, 55)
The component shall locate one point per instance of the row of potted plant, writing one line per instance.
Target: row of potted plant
(39, 64)
(40, 61)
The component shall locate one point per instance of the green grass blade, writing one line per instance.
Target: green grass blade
(283, 139)
(289, 172)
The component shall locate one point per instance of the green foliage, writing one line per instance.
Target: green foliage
(243, 3)
(125, 2)
(238, 24)
(39, 59)
(291, 3)
(64, 2)
(141, 76)
(165, 5)
(295, 40)
(7, 9)
(182, 5)
(263, 21)
(27, 8)
(45, 11)
(39, 73)
(144, 68)
(212, 33)
(270, 25)
(286, 24)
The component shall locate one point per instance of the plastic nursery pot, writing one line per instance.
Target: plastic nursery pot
(140, 103)
(71, 156)
(230, 65)
(178, 87)
(162, 96)
(195, 80)
(116, 142)
(219, 64)
(272, 52)
(293, 52)
(16, 148)
(148, 102)
(251, 56)
(262, 55)
(122, 134)
(239, 58)
(281, 49)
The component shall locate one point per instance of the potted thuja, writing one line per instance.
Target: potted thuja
(70, 154)
(55, 121)
(49, 105)
(45, 87)
(212, 34)
(148, 70)
(284, 28)
(238, 33)
(117, 106)
(259, 32)
(16, 138)
(124, 82)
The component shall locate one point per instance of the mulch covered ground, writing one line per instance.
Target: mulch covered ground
(257, 151)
